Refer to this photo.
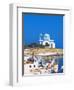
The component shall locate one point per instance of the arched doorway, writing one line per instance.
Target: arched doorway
(51, 45)
(46, 44)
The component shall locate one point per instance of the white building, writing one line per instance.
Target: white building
(46, 41)
(29, 67)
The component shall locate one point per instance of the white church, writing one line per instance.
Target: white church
(45, 40)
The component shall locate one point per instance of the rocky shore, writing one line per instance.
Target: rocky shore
(43, 51)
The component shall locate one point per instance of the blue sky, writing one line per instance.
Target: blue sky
(34, 24)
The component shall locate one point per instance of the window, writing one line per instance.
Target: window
(30, 66)
(34, 66)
